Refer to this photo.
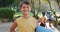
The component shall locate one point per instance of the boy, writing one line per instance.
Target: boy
(43, 19)
(55, 22)
(25, 23)
(51, 19)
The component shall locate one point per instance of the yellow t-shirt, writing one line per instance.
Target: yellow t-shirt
(43, 20)
(26, 25)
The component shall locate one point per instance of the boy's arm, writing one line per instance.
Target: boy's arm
(12, 29)
(45, 22)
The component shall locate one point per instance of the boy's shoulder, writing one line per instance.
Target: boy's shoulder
(33, 18)
(18, 18)
(42, 17)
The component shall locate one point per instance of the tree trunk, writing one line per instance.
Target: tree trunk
(50, 5)
(58, 3)
(39, 7)
(33, 8)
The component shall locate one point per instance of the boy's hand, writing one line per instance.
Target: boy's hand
(12, 29)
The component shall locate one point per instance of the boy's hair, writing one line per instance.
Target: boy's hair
(43, 13)
(53, 12)
(24, 2)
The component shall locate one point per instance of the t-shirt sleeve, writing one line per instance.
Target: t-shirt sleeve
(36, 21)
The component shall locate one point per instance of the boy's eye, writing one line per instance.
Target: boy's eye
(23, 7)
(27, 7)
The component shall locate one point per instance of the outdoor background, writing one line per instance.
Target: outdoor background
(10, 10)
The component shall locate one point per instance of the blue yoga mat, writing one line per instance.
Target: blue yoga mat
(42, 29)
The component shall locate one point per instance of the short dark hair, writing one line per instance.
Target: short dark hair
(43, 13)
(24, 2)
(53, 12)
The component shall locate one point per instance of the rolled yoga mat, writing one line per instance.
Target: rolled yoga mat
(42, 29)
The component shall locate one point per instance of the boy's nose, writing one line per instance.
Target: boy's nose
(26, 9)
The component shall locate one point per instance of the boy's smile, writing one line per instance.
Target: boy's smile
(25, 9)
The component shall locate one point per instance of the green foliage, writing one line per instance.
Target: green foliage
(6, 13)
(4, 3)
(44, 1)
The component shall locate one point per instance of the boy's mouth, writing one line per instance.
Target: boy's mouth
(26, 11)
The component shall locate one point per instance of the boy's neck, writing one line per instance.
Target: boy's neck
(43, 16)
(25, 16)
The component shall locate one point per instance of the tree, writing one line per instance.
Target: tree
(35, 13)
(58, 2)
(4, 3)
(39, 1)
(33, 8)
(50, 5)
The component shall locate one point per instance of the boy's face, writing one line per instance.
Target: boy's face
(25, 9)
